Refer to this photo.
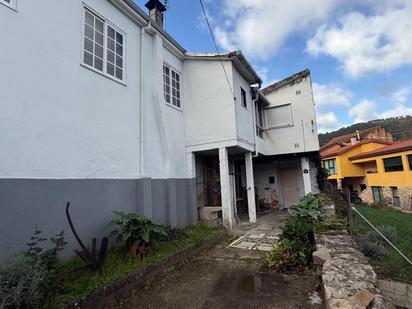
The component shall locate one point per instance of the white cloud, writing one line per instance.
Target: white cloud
(327, 122)
(363, 111)
(401, 95)
(260, 27)
(366, 43)
(398, 110)
(331, 95)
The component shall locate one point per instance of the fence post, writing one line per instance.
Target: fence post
(349, 211)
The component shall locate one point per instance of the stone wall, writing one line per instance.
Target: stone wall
(348, 280)
(405, 195)
(398, 292)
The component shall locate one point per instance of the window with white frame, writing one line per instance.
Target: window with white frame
(171, 86)
(103, 46)
(243, 97)
(279, 116)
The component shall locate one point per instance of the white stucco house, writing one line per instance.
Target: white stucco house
(101, 107)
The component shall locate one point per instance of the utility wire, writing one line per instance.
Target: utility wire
(217, 49)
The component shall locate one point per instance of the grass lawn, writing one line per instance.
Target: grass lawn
(117, 265)
(393, 265)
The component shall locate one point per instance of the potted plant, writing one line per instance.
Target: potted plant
(136, 232)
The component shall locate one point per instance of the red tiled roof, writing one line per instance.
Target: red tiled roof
(346, 137)
(346, 148)
(393, 148)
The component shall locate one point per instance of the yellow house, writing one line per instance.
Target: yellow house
(388, 174)
(341, 170)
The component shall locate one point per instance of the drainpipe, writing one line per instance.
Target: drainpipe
(256, 154)
(142, 104)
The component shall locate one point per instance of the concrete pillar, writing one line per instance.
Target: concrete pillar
(190, 165)
(225, 190)
(250, 187)
(305, 167)
(339, 183)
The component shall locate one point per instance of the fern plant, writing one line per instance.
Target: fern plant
(131, 227)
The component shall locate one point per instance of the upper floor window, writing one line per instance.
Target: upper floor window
(410, 162)
(103, 47)
(279, 116)
(330, 166)
(243, 97)
(259, 119)
(171, 86)
(393, 164)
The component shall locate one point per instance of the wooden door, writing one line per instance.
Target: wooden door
(290, 186)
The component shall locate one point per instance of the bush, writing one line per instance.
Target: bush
(297, 240)
(29, 279)
(331, 223)
(373, 245)
(281, 257)
(131, 227)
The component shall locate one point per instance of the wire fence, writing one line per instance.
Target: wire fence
(383, 234)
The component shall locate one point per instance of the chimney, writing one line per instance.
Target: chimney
(156, 9)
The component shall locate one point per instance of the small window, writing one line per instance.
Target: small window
(103, 48)
(243, 97)
(330, 166)
(279, 116)
(410, 162)
(377, 194)
(171, 86)
(259, 119)
(393, 164)
(395, 197)
(297, 92)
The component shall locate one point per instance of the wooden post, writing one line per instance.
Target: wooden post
(349, 212)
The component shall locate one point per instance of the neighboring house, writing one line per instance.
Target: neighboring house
(375, 167)
(388, 174)
(102, 108)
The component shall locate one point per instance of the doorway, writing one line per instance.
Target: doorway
(290, 186)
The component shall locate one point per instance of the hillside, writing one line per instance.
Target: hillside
(400, 127)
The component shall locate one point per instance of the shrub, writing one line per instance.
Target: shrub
(281, 257)
(131, 227)
(331, 223)
(28, 280)
(297, 240)
(373, 245)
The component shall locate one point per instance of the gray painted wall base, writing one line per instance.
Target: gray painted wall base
(27, 203)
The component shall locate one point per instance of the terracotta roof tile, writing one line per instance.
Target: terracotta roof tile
(393, 148)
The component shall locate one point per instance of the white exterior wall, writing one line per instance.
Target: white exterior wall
(209, 106)
(244, 116)
(65, 121)
(302, 136)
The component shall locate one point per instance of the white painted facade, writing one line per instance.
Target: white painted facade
(294, 100)
(62, 120)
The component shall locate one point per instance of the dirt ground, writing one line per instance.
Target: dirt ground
(222, 278)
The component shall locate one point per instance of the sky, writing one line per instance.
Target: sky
(359, 52)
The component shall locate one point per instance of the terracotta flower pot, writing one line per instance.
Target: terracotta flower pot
(139, 249)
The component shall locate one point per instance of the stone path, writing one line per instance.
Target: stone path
(225, 277)
(263, 236)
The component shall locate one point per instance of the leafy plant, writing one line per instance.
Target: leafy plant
(281, 257)
(331, 223)
(27, 281)
(131, 227)
(297, 239)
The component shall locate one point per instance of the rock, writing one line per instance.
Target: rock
(340, 303)
(321, 256)
(362, 298)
